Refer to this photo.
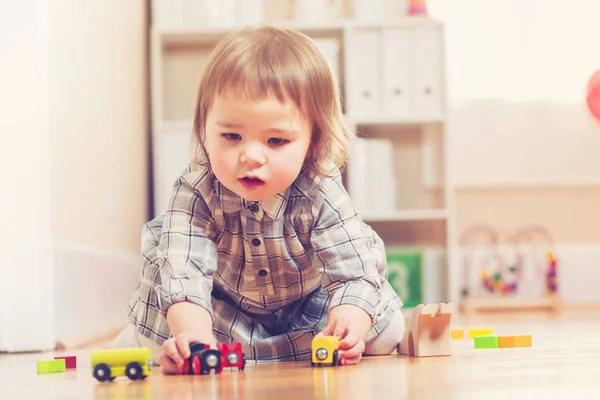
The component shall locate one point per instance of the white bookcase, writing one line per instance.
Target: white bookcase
(391, 76)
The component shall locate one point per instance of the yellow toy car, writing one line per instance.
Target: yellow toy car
(135, 363)
(325, 351)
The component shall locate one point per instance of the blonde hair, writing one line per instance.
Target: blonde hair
(267, 61)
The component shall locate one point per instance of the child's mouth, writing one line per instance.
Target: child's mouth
(251, 183)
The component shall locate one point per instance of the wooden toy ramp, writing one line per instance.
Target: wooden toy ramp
(428, 332)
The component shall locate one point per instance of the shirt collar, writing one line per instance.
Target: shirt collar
(273, 206)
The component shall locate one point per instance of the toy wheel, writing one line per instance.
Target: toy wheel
(195, 370)
(243, 363)
(134, 371)
(336, 358)
(102, 372)
(211, 360)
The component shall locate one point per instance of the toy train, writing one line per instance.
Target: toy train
(203, 359)
(136, 362)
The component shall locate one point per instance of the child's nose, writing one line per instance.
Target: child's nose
(252, 155)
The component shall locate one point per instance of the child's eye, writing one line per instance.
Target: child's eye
(231, 136)
(278, 141)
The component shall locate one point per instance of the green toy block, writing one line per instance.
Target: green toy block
(50, 366)
(404, 274)
(486, 342)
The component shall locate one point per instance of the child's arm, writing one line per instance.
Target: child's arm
(342, 246)
(189, 323)
(187, 261)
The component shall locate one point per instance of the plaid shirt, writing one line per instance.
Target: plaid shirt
(263, 257)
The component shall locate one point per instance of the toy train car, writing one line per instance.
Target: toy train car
(325, 351)
(135, 363)
(232, 355)
(204, 360)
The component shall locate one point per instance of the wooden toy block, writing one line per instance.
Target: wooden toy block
(480, 332)
(514, 341)
(486, 342)
(50, 366)
(457, 334)
(428, 332)
(70, 361)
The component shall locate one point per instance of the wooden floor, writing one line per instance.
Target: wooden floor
(564, 361)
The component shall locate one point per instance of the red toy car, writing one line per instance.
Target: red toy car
(203, 359)
(232, 356)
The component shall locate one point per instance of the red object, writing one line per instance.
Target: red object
(417, 7)
(70, 361)
(593, 95)
(233, 348)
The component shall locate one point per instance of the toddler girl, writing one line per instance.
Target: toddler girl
(261, 243)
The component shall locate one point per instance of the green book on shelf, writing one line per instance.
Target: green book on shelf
(404, 274)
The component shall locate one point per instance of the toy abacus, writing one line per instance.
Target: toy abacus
(517, 271)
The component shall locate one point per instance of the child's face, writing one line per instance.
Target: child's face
(256, 148)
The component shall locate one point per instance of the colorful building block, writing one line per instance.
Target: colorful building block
(480, 332)
(514, 341)
(70, 361)
(50, 366)
(428, 332)
(457, 334)
(486, 342)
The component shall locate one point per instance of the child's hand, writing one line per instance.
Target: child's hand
(351, 324)
(177, 349)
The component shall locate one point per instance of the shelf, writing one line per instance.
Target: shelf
(509, 304)
(185, 35)
(408, 215)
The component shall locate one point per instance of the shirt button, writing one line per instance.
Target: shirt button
(263, 272)
(256, 242)
(253, 207)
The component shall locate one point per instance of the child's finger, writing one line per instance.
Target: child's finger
(340, 328)
(349, 341)
(168, 366)
(329, 329)
(352, 360)
(354, 351)
(171, 350)
(183, 345)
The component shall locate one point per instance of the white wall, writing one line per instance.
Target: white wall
(73, 155)
(520, 50)
(517, 72)
(26, 269)
(523, 147)
(99, 133)
(98, 120)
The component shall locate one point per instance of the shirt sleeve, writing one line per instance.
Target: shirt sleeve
(342, 250)
(187, 253)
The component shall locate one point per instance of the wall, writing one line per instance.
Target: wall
(523, 144)
(98, 120)
(524, 147)
(570, 213)
(100, 170)
(517, 112)
(26, 278)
